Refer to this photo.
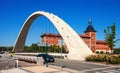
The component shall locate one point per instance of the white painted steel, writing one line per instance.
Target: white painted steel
(78, 50)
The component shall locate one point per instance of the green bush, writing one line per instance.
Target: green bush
(108, 59)
(113, 59)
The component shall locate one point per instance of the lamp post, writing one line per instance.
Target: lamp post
(61, 57)
(60, 43)
(46, 53)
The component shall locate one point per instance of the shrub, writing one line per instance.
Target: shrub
(108, 59)
(113, 59)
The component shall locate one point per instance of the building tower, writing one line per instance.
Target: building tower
(91, 32)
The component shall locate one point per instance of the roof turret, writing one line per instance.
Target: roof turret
(90, 27)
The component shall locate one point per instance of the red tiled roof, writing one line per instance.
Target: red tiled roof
(51, 34)
(101, 41)
(83, 36)
(58, 35)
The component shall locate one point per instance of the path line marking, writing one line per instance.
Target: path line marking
(96, 69)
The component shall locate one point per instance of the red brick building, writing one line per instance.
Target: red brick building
(89, 37)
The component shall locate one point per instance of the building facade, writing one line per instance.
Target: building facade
(89, 37)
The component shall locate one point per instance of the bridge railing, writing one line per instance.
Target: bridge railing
(26, 58)
(56, 55)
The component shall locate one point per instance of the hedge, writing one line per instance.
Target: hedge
(108, 59)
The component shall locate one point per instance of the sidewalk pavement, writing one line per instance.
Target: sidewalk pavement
(50, 69)
(39, 69)
(14, 70)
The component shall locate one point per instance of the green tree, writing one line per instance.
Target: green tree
(26, 49)
(116, 50)
(8, 48)
(35, 47)
(45, 49)
(32, 48)
(110, 35)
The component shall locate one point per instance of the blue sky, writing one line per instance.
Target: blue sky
(76, 13)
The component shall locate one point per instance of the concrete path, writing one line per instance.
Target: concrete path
(37, 69)
(14, 70)
(43, 69)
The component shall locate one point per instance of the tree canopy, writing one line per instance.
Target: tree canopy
(110, 35)
(45, 49)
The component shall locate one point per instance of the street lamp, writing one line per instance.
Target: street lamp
(46, 53)
(61, 57)
(60, 43)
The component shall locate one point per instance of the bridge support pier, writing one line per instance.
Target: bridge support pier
(40, 61)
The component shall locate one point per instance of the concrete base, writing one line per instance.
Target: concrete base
(40, 61)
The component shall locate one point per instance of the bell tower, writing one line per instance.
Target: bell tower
(91, 32)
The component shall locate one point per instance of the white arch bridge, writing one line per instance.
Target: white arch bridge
(78, 50)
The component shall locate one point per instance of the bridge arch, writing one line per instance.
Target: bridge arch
(78, 50)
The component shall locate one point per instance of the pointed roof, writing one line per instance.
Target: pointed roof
(90, 27)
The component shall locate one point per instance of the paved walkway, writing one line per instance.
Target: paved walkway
(43, 69)
(37, 69)
(14, 70)
(55, 69)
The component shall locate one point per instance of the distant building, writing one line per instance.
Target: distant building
(50, 38)
(89, 37)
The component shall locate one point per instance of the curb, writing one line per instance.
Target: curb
(64, 69)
